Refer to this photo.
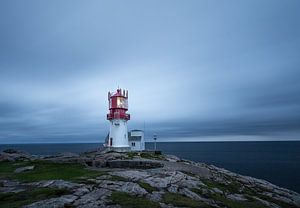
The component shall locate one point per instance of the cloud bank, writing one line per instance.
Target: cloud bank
(197, 69)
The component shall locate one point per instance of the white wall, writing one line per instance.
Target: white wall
(118, 133)
(139, 145)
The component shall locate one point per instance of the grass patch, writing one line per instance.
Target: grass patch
(190, 174)
(126, 200)
(152, 156)
(7, 168)
(118, 178)
(235, 187)
(182, 201)
(250, 203)
(200, 192)
(232, 187)
(131, 154)
(45, 170)
(147, 186)
(12, 200)
(280, 203)
(221, 199)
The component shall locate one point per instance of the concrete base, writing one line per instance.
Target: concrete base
(118, 149)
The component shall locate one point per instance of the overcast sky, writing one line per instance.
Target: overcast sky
(195, 70)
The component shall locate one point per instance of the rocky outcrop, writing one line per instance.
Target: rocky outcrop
(23, 169)
(166, 182)
(15, 155)
(138, 164)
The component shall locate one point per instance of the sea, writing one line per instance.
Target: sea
(277, 162)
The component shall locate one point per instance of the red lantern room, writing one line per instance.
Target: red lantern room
(118, 105)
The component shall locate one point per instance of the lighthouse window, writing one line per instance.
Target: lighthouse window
(122, 102)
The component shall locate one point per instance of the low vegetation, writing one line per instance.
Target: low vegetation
(12, 200)
(46, 171)
(127, 200)
(152, 156)
(182, 201)
(118, 178)
(146, 155)
(147, 187)
(231, 187)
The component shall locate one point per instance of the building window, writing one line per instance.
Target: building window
(133, 144)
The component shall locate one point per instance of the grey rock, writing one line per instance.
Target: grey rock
(11, 186)
(59, 202)
(173, 189)
(104, 177)
(268, 204)
(134, 175)
(137, 164)
(165, 178)
(172, 158)
(216, 190)
(23, 169)
(61, 184)
(236, 197)
(133, 188)
(92, 197)
(163, 205)
(99, 163)
(191, 182)
(12, 151)
(191, 194)
(11, 189)
(111, 156)
(81, 191)
(9, 183)
(128, 187)
(155, 196)
(4, 156)
(68, 155)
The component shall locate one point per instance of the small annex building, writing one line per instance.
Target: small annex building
(136, 140)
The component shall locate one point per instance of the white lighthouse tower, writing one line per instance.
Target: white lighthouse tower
(118, 134)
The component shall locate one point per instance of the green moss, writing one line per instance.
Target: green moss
(235, 187)
(45, 170)
(118, 178)
(200, 192)
(232, 187)
(182, 201)
(12, 200)
(7, 168)
(250, 203)
(280, 203)
(221, 199)
(147, 187)
(126, 200)
(151, 155)
(131, 154)
(190, 174)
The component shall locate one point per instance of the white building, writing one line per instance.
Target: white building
(136, 140)
(118, 106)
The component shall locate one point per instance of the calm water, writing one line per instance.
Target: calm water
(277, 162)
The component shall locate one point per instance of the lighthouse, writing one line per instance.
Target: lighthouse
(118, 134)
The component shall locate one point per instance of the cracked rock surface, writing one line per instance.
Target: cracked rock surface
(177, 183)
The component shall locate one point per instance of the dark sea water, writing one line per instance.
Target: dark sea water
(277, 162)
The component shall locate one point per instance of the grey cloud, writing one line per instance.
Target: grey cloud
(193, 69)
